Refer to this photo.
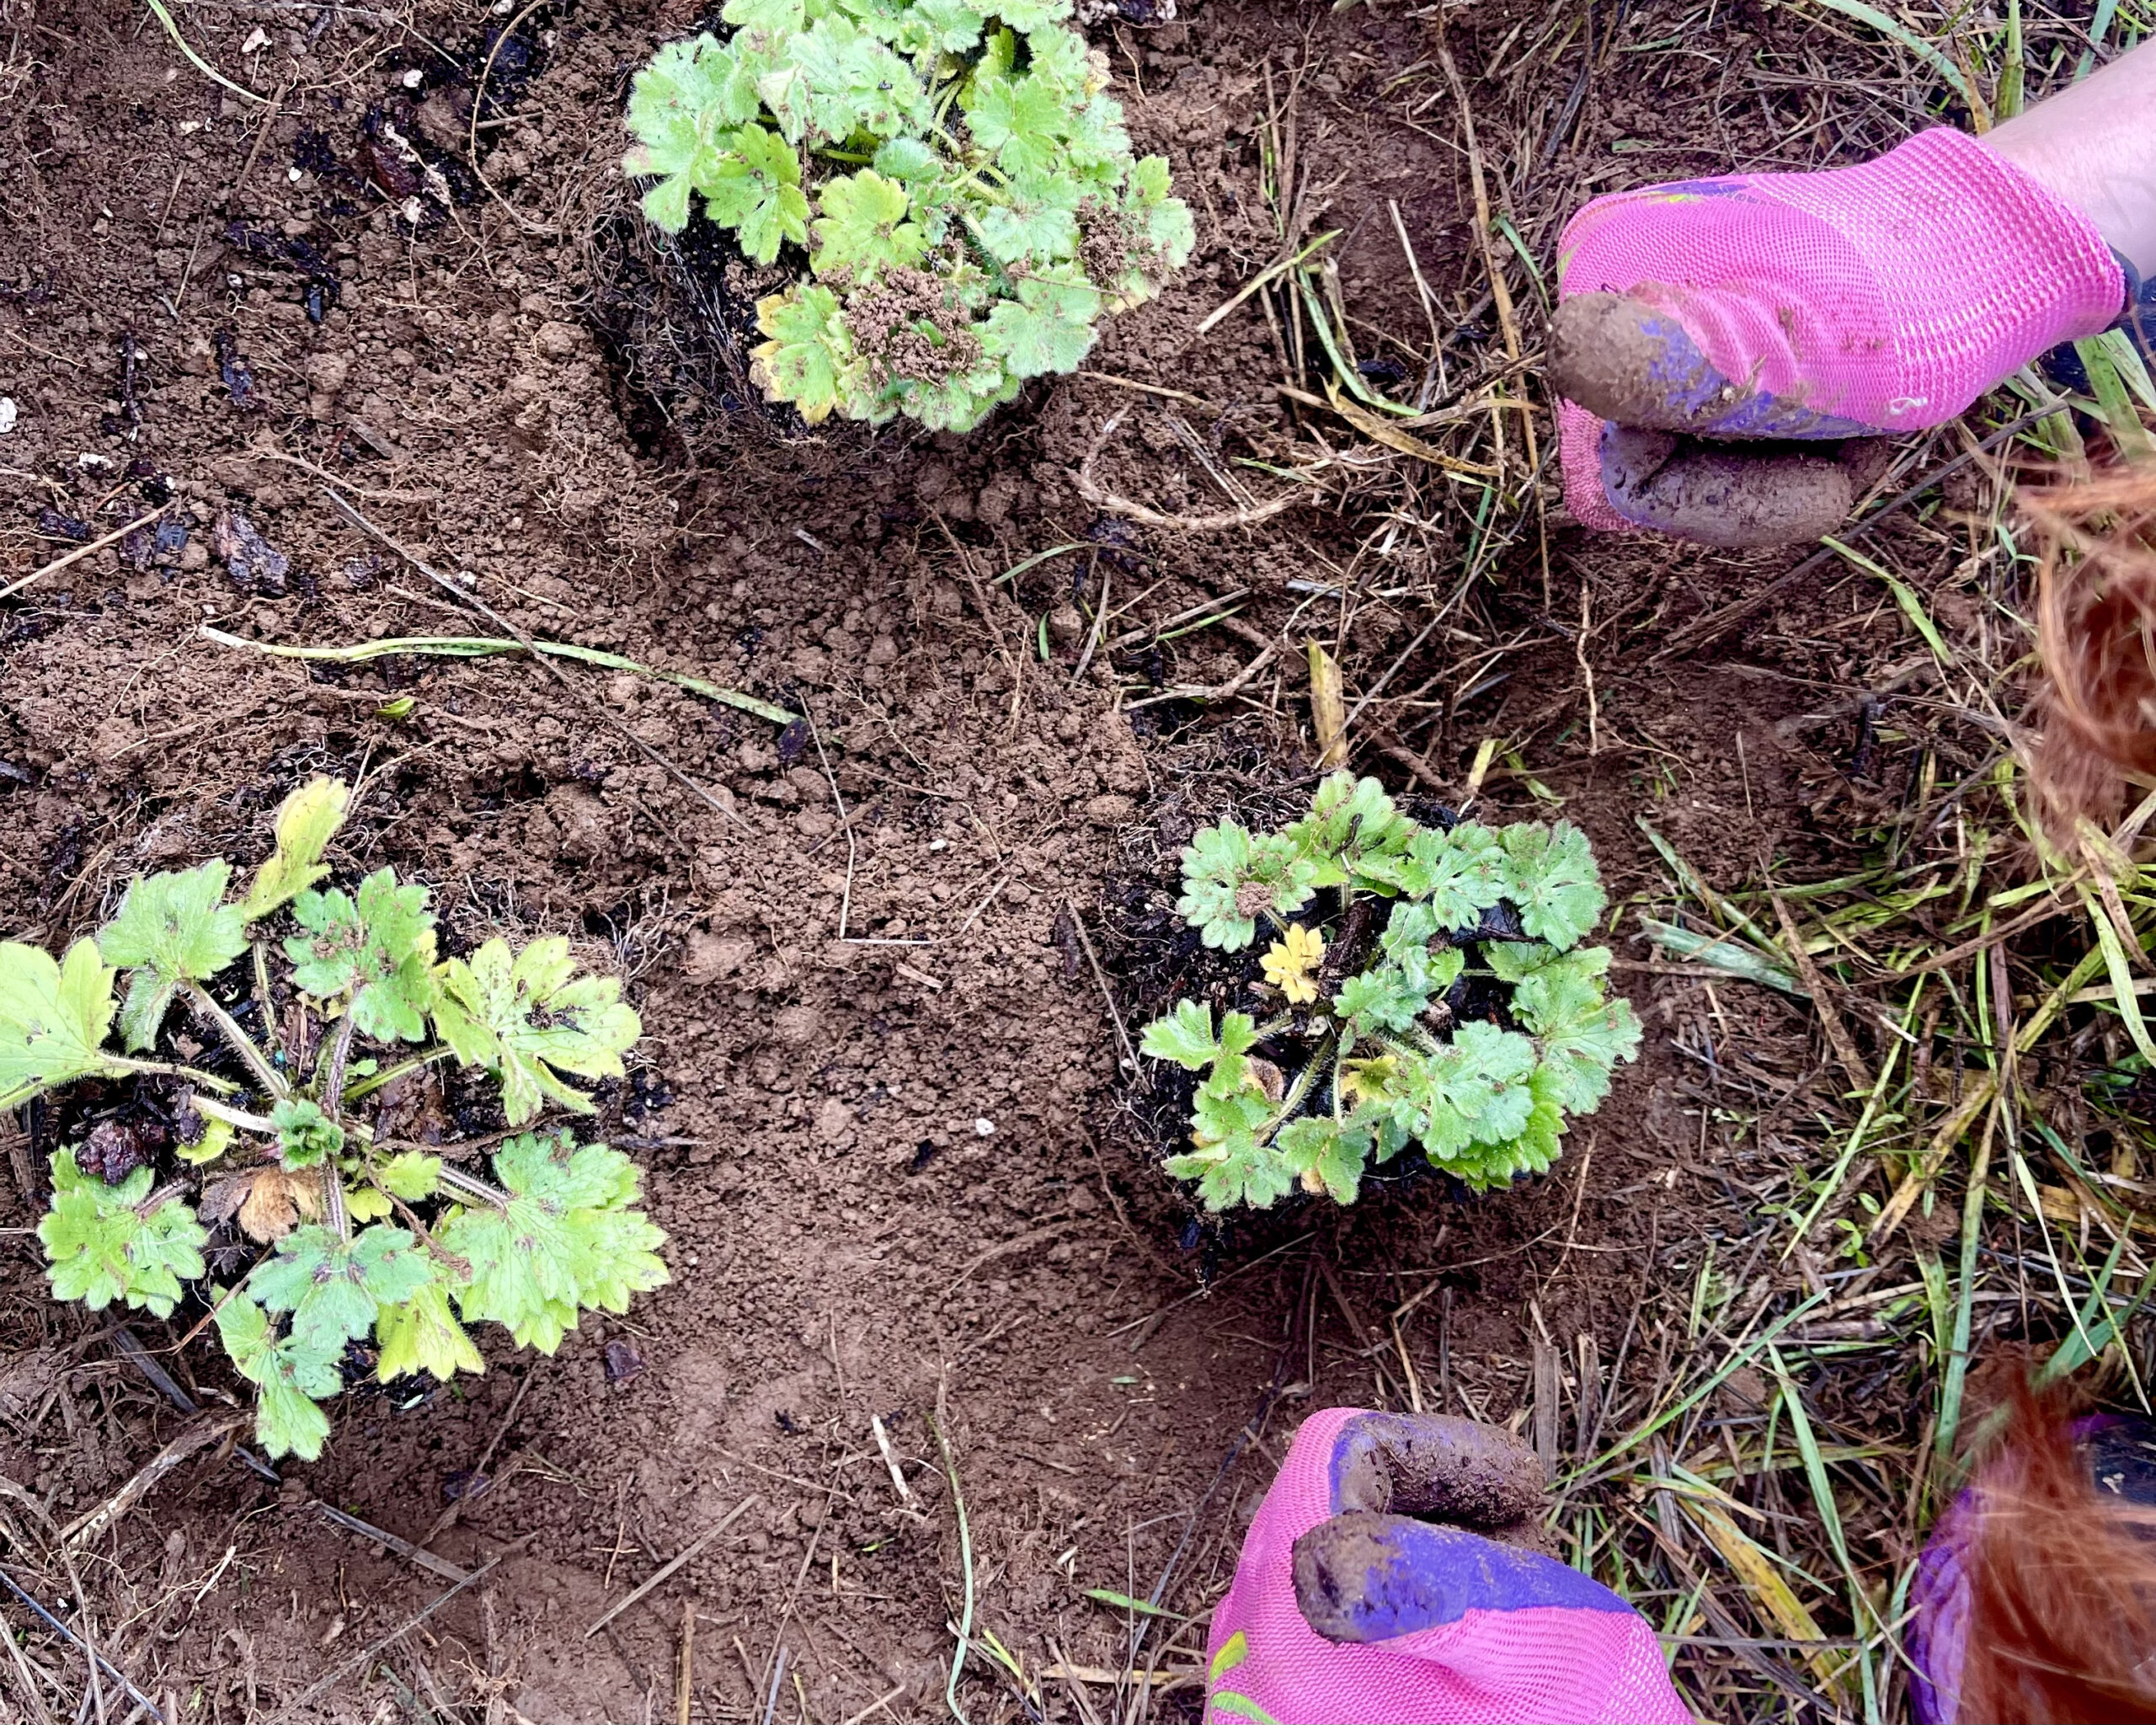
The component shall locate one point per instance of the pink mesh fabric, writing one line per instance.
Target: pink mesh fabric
(1893, 293)
(1540, 1666)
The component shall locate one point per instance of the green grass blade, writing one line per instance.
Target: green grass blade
(1904, 596)
(490, 646)
(1857, 11)
(1724, 952)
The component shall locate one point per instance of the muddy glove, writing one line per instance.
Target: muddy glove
(1723, 346)
(1394, 1573)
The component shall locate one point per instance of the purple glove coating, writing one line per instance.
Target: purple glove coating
(1416, 1624)
(1365, 1578)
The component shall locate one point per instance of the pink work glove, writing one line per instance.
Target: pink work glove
(1394, 1577)
(1823, 306)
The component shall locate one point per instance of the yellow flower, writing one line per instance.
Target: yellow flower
(1289, 962)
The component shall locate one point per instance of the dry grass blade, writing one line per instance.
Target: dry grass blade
(196, 1438)
(660, 1576)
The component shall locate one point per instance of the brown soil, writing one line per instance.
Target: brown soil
(880, 1107)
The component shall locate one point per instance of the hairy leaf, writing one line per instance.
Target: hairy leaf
(863, 227)
(410, 1175)
(1238, 1171)
(1161, 224)
(307, 820)
(809, 354)
(1040, 225)
(531, 1018)
(333, 1288)
(171, 928)
(1459, 874)
(1550, 874)
(567, 1240)
(1186, 1036)
(53, 1018)
(1230, 878)
(100, 1248)
(306, 1136)
(1382, 999)
(1030, 15)
(754, 188)
(289, 1375)
(378, 950)
(1020, 121)
(1583, 1035)
(1230, 1104)
(1047, 328)
(423, 1335)
(775, 16)
(1327, 1156)
(1351, 825)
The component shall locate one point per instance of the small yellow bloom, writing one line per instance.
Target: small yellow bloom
(1289, 962)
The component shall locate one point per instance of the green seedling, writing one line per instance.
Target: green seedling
(369, 1243)
(1425, 986)
(953, 179)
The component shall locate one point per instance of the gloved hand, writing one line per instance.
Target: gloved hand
(1395, 1573)
(1722, 346)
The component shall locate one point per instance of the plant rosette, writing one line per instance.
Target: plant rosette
(1415, 984)
(956, 183)
(367, 1243)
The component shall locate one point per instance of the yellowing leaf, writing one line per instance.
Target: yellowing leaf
(216, 1138)
(366, 1204)
(532, 1018)
(53, 1018)
(305, 825)
(423, 1335)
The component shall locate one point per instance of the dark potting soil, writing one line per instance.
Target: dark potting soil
(896, 1167)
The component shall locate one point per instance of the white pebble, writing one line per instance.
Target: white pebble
(984, 1129)
(8, 414)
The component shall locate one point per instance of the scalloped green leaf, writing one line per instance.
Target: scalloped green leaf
(567, 1241)
(307, 820)
(530, 1019)
(100, 1248)
(54, 1018)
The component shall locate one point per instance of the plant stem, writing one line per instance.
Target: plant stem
(368, 1084)
(167, 1069)
(243, 1044)
(264, 1002)
(236, 1116)
(1296, 1092)
(333, 1193)
(158, 1199)
(340, 1052)
(471, 1186)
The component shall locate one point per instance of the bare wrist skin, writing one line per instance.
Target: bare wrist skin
(2093, 145)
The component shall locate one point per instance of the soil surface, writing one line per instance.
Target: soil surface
(878, 1103)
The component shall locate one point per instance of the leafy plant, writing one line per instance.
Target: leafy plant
(1427, 986)
(371, 1243)
(964, 186)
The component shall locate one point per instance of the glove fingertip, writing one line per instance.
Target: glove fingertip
(1579, 456)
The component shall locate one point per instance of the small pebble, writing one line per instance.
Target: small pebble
(984, 1129)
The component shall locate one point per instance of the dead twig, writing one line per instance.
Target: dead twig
(447, 1518)
(88, 1527)
(1114, 503)
(667, 1569)
(81, 552)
